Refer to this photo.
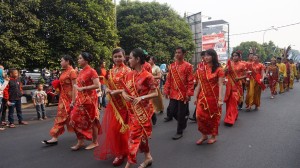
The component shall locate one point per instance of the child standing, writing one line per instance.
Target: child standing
(14, 93)
(39, 98)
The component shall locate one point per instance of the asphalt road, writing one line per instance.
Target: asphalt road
(268, 138)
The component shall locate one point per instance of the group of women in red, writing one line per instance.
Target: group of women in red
(126, 126)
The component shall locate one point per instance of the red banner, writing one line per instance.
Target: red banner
(216, 42)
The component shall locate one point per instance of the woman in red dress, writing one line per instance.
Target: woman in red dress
(209, 101)
(273, 75)
(66, 100)
(256, 85)
(114, 138)
(139, 87)
(235, 73)
(85, 114)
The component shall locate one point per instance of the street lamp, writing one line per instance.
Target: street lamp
(271, 28)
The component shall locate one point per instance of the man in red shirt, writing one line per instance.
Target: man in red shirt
(179, 88)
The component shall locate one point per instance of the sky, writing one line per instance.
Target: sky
(247, 16)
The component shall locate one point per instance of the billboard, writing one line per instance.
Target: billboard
(216, 42)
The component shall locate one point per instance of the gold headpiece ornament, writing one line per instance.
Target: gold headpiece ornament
(273, 59)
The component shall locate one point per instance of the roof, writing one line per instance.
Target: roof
(213, 22)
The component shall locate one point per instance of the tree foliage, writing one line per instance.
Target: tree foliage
(20, 44)
(154, 27)
(35, 33)
(266, 51)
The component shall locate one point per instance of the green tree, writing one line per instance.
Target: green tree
(154, 27)
(245, 46)
(20, 45)
(271, 50)
(72, 26)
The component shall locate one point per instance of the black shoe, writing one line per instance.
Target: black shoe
(161, 112)
(49, 143)
(192, 119)
(167, 119)
(228, 125)
(154, 119)
(177, 136)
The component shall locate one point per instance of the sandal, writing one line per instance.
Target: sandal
(211, 141)
(200, 141)
(2, 128)
(146, 164)
(12, 126)
(91, 146)
(77, 147)
(118, 161)
(23, 123)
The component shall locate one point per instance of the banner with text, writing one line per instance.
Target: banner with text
(216, 42)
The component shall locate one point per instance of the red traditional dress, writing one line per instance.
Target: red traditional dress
(234, 90)
(65, 99)
(273, 75)
(208, 113)
(137, 84)
(147, 67)
(85, 113)
(114, 138)
(255, 84)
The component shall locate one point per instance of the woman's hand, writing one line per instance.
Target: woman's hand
(72, 104)
(127, 97)
(220, 103)
(80, 89)
(136, 100)
(108, 91)
(226, 70)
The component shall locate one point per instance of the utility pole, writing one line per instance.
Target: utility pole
(115, 2)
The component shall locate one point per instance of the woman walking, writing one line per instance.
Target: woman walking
(209, 97)
(114, 138)
(273, 75)
(85, 115)
(66, 100)
(139, 87)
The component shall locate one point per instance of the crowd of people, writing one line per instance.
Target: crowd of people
(135, 96)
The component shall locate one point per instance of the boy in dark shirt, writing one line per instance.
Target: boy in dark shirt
(14, 92)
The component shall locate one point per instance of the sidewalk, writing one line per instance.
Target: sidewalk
(27, 105)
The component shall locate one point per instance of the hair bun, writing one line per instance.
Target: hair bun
(87, 56)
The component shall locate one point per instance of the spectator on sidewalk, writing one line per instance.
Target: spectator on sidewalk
(14, 93)
(39, 98)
